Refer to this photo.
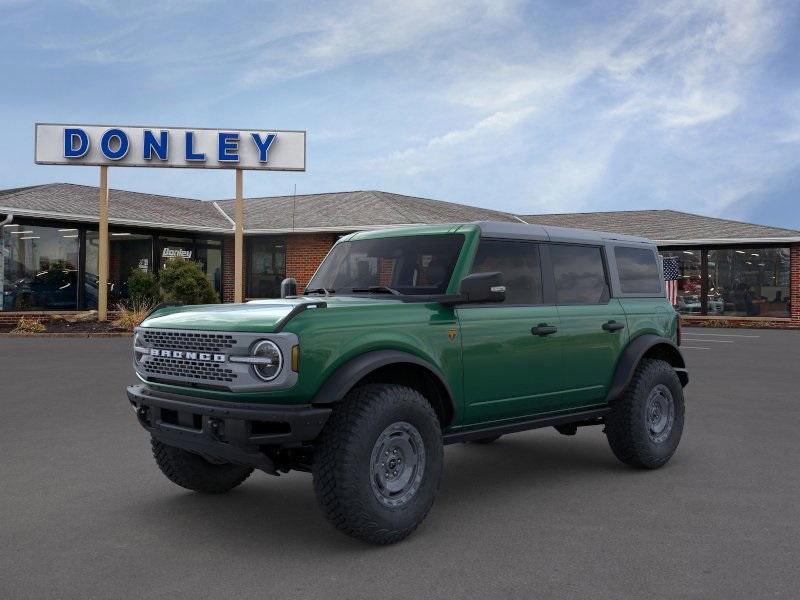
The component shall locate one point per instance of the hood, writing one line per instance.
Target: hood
(257, 316)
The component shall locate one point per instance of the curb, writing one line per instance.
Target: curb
(120, 334)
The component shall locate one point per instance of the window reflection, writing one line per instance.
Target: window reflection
(39, 268)
(748, 282)
(266, 267)
(128, 252)
(689, 280)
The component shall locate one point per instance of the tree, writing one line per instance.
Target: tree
(143, 288)
(184, 281)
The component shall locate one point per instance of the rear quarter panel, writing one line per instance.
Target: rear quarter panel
(650, 315)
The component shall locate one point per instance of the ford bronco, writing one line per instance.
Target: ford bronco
(406, 340)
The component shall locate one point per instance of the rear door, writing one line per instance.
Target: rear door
(593, 325)
(510, 371)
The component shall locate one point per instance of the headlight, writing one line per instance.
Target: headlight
(270, 360)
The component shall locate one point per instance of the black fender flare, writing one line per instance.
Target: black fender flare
(633, 354)
(354, 370)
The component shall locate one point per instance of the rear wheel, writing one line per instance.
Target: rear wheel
(194, 472)
(378, 463)
(645, 424)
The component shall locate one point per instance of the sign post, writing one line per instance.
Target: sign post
(175, 147)
(238, 242)
(103, 253)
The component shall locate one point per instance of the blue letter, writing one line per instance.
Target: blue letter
(70, 136)
(263, 145)
(159, 146)
(228, 141)
(105, 144)
(190, 153)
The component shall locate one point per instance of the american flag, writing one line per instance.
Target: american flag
(671, 274)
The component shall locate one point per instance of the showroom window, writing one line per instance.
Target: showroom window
(209, 255)
(690, 279)
(749, 282)
(206, 252)
(128, 251)
(39, 267)
(266, 266)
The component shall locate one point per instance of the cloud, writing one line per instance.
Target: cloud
(466, 146)
(327, 39)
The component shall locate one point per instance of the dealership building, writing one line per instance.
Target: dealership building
(739, 273)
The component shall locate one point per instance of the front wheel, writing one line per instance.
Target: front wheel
(378, 463)
(646, 423)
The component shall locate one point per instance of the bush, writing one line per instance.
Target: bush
(184, 281)
(143, 288)
(132, 314)
(25, 325)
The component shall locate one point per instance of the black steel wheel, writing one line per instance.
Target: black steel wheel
(646, 423)
(378, 463)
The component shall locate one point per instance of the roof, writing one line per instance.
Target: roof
(80, 203)
(667, 226)
(351, 211)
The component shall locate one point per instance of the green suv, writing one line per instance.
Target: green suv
(406, 340)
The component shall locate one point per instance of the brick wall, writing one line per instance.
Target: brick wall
(794, 283)
(227, 269)
(304, 252)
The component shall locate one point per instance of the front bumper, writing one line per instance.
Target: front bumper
(225, 431)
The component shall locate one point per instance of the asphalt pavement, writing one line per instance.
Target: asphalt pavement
(85, 513)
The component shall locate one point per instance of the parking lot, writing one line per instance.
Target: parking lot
(85, 513)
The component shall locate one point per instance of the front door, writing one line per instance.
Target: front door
(593, 325)
(511, 350)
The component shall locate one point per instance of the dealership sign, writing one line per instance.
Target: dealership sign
(192, 148)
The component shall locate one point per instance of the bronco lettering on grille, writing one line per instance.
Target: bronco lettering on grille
(202, 356)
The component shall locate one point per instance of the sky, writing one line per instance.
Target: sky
(527, 107)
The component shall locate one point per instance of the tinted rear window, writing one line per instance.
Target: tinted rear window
(580, 276)
(638, 270)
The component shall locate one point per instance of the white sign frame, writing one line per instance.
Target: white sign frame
(286, 151)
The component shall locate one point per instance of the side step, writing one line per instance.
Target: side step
(584, 417)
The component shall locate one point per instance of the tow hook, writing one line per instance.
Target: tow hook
(215, 426)
(141, 414)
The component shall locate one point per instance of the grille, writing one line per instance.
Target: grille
(188, 369)
(188, 340)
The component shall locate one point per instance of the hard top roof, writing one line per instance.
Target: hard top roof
(553, 233)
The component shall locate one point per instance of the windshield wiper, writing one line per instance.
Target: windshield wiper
(378, 289)
(320, 290)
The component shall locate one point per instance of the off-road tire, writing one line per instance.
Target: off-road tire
(343, 462)
(627, 426)
(193, 472)
(488, 439)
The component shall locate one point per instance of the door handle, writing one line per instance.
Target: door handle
(611, 326)
(543, 329)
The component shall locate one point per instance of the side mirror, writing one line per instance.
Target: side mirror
(288, 287)
(483, 287)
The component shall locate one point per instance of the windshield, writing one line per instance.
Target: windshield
(409, 265)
